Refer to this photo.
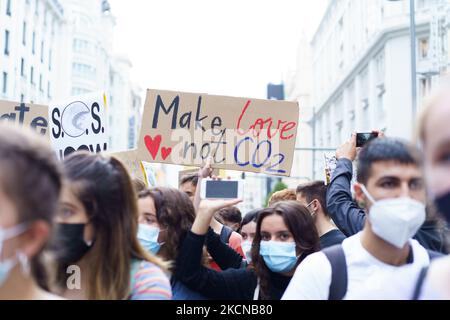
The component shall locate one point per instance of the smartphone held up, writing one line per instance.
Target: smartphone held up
(222, 189)
(363, 138)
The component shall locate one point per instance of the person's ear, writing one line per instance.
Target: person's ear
(359, 195)
(35, 238)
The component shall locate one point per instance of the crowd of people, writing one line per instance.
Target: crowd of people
(83, 229)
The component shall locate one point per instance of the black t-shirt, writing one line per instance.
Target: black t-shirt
(331, 238)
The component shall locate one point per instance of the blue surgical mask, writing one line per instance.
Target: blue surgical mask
(247, 248)
(7, 265)
(148, 237)
(279, 257)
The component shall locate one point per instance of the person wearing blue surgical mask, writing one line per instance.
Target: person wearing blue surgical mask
(285, 234)
(149, 229)
(30, 184)
(164, 212)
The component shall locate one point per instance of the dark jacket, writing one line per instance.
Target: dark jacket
(233, 283)
(350, 218)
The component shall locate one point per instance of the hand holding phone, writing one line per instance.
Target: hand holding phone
(222, 189)
(363, 138)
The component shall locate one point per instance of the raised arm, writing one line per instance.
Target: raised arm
(228, 284)
(346, 214)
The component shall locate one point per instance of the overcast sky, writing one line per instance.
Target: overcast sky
(228, 47)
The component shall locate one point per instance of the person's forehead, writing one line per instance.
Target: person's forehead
(249, 227)
(273, 223)
(187, 185)
(396, 169)
(147, 203)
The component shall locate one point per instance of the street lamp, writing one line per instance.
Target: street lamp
(412, 31)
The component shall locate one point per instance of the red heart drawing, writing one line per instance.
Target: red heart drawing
(153, 145)
(165, 152)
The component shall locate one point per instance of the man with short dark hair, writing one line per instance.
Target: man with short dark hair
(348, 216)
(391, 188)
(313, 196)
(230, 217)
(188, 185)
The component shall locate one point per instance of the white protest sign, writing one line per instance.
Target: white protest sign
(79, 123)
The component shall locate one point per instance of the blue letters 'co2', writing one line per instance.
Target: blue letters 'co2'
(277, 157)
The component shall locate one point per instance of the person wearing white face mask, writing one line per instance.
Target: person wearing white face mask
(30, 184)
(430, 282)
(313, 195)
(391, 188)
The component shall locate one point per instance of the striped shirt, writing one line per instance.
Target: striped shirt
(150, 283)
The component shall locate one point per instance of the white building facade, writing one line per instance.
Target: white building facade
(362, 67)
(53, 49)
(30, 37)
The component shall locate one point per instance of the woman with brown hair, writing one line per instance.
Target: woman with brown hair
(30, 183)
(97, 235)
(285, 235)
(165, 217)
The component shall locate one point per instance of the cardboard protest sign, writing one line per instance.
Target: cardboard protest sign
(133, 165)
(238, 133)
(79, 123)
(28, 115)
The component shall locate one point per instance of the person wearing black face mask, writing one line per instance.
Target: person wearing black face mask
(70, 245)
(97, 236)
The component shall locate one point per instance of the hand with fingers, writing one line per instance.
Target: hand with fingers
(348, 150)
(206, 211)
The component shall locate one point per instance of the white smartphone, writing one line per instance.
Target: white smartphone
(222, 189)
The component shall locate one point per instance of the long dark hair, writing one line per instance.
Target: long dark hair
(300, 223)
(104, 187)
(175, 214)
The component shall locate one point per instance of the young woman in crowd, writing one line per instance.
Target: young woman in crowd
(285, 235)
(98, 234)
(30, 183)
(165, 217)
(248, 231)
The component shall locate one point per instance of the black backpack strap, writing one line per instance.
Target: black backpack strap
(225, 234)
(338, 285)
(419, 283)
(434, 254)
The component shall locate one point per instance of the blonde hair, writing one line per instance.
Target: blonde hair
(283, 195)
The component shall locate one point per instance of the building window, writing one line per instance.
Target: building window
(8, 7)
(22, 98)
(24, 34)
(33, 45)
(82, 69)
(32, 75)
(50, 60)
(41, 88)
(424, 47)
(49, 92)
(7, 42)
(5, 83)
(22, 67)
(36, 11)
(380, 68)
(42, 51)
